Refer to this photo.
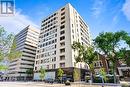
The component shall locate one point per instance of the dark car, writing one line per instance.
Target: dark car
(49, 80)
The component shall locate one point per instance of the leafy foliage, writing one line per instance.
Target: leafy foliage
(60, 73)
(103, 74)
(109, 44)
(7, 46)
(42, 73)
(3, 67)
(76, 74)
(29, 71)
(13, 52)
(87, 55)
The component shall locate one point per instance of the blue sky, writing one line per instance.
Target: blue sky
(100, 15)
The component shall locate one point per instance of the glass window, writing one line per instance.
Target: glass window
(62, 32)
(63, 26)
(63, 9)
(62, 44)
(62, 38)
(62, 65)
(62, 17)
(62, 57)
(62, 50)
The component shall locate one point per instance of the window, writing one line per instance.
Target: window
(62, 38)
(62, 32)
(62, 13)
(54, 52)
(36, 62)
(72, 31)
(41, 61)
(53, 66)
(55, 40)
(62, 44)
(54, 58)
(63, 26)
(62, 57)
(62, 17)
(35, 68)
(62, 22)
(62, 50)
(62, 9)
(47, 66)
(73, 36)
(55, 35)
(54, 14)
(62, 65)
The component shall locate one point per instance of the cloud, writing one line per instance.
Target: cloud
(97, 7)
(126, 9)
(16, 23)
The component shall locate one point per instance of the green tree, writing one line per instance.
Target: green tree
(124, 55)
(42, 73)
(7, 47)
(13, 54)
(29, 72)
(103, 75)
(85, 54)
(76, 74)
(89, 56)
(60, 73)
(3, 67)
(109, 44)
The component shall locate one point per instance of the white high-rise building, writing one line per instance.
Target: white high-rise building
(58, 32)
(26, 42)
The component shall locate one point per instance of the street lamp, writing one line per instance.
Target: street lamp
(102, 81)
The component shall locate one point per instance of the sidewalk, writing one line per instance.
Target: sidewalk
(99, 84)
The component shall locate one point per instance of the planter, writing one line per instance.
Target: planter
(67, 82)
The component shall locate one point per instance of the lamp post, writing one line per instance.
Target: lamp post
(102, 81)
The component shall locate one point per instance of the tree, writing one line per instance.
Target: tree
(3, 67)
(103, 75)
(85, 54)
(76, 74)
(42, 73)
(7, 47)
(13, 54)
(29, 72)
(109, 44)
(5, 43)
(89, 56)
(60, 73)
(124, 55)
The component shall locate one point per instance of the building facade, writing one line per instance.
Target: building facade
(26, 42)
(58, 32)
(101, 63)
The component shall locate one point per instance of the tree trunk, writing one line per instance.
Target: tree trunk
(91, 77)
(114, 73)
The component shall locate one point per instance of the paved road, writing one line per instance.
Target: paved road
(42, 84)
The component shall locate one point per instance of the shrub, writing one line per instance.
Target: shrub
(125, 85)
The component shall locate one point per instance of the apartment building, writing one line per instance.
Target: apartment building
(26, 42)
(58, 32)
(101, 63)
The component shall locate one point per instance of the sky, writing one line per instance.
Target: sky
(100, 15)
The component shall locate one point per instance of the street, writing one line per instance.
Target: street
(42, 84)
